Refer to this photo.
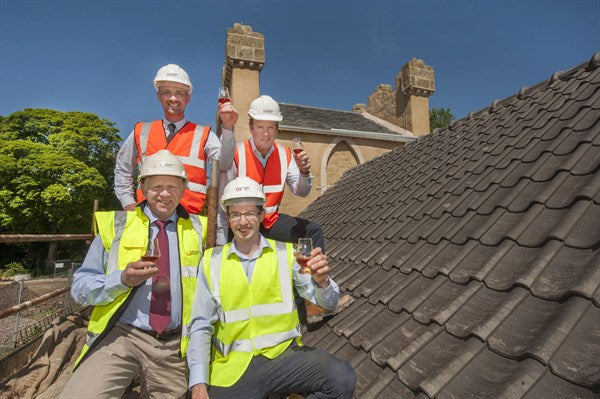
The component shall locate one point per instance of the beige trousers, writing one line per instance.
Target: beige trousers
(123, 353)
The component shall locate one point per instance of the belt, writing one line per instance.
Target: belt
(163, 336)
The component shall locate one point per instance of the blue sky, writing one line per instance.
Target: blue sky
(101, 56)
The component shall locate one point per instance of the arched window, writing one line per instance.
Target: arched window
(341, 155)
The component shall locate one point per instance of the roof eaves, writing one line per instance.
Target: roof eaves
(352, 133)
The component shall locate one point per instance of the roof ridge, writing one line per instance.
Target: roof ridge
(589, 65)
(320, 108)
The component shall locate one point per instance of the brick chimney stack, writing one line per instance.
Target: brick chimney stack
(244, 59)
(408, 105)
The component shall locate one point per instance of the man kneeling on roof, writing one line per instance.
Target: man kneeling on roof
(142, 308)
(245, 332)
(272, 165)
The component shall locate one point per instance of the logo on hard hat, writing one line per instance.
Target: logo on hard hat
(238, 189)
(167, 164)
(173, 74)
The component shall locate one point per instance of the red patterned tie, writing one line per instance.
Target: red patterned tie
(160, 304)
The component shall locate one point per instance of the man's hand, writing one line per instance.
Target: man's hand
(137, 272)
(130, 207)
(303, 161)
(319, 267)
(199, 391)
(228, 115)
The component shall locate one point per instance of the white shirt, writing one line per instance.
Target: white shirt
(126, 163)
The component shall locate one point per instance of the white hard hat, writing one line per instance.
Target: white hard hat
(172, 73)
(162, 163)
(242, 189)
(264, 108)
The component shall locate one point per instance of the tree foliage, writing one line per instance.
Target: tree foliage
(440, 118)
(54, 165)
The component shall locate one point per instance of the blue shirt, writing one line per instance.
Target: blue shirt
(204, 310)
(92, 286)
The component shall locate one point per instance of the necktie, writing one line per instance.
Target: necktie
(160, 303)
(171, 128)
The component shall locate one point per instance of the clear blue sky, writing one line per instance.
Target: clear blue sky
(101, 56)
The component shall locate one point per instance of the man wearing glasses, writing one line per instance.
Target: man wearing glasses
(245, 339)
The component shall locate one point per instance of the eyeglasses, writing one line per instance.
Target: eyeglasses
(237, 216)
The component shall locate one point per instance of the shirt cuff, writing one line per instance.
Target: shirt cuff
(327, 297)
(127, 201)
(308, 176)
(114, 284)
(198, 375)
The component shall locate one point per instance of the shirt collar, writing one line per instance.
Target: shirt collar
(178, 125)
(257, 153)
(148, 212)
(263, 244)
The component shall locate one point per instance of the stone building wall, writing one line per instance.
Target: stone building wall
(331, 157)
(406, 106)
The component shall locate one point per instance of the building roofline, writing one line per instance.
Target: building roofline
(351, 133)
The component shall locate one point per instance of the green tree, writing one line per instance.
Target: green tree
(54, 165)
(440, 118)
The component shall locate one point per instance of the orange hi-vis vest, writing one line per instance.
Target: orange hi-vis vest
(272, 177)
(188, 145)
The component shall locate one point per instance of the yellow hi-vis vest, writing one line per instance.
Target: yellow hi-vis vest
(127, 234)
(259, 318)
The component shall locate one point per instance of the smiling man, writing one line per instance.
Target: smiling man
(244, 305)
(141, 317)
(265, 161)
(194, 144)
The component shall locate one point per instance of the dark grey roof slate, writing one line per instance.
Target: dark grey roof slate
(473, 254)
(321, 118)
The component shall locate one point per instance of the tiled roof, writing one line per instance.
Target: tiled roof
(473, 254)
(321, 118)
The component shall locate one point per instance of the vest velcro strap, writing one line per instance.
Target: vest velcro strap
(283, 164)
(232, 316)
(185, 330)
(199, 188)
(144, 135)
(189, 271)
(241, 345)
(191, 161)
(273, 189)
(120, 220)
(269, 340)
(259, 342)
(242, 160)
(271, 209)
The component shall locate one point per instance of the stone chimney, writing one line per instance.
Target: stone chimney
(408, 105)
(244, 59)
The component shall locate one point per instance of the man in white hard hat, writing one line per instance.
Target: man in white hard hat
(142, 309)
(244, 312)
(194, 144)
(273, 165)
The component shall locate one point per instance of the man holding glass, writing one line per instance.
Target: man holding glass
(244, 313)
(269, 163)
(142, 309)
(194, 144)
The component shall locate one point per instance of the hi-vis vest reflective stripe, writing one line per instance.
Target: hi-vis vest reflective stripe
(272, 177)
(259, 318)
(127, 234)
(188, 145)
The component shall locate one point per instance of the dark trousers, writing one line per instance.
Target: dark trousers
(311, 372)
(288, 229)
